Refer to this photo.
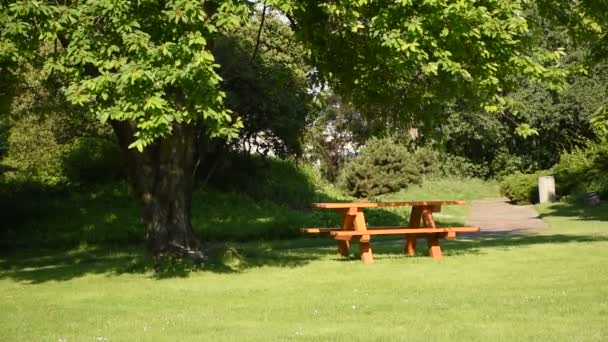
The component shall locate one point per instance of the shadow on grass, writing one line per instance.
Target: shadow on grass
(36, 267)
(473, 245)
(40, 267)
(580, 212)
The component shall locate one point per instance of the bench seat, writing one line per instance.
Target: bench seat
(449, 232)
(389, 230)
(318, 230)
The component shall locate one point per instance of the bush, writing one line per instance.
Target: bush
(505, 164)
(583, 170)
(460, 167)
(382, 166)
(283, 182)
(34, 153)
(428, 160)
(522, 188)
(577, 172)
(92, 160)
(43, 151)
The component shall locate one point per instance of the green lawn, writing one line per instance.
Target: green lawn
(550, 286)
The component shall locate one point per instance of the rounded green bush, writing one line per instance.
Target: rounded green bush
(583, 170)
(381, 167)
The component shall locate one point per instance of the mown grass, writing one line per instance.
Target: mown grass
(529, 287)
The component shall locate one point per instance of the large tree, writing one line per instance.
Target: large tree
(146, 68)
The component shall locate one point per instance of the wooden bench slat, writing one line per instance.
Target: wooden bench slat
(328, 230)
(404, 231)
(318, 230)
(392, 229)
(384, 204)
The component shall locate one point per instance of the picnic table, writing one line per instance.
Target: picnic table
(421, 225)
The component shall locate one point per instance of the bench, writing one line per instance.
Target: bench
(355, 228)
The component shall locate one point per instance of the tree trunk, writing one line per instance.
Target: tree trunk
(162, 179)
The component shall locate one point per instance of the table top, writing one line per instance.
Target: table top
(336, 205)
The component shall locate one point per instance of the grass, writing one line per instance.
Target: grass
(530, 287)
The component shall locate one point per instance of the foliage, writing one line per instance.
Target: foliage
(558, 121)
(382, 166)
(146, 62)
(587, 23)
(455, 166)
(266, 83)
(34, 153)
(90, 159)
(61, 149)
(410, 59)
(505, 164)
(562, 122)
(583, 170)
(521, 187)
(284, 182)
(579, 171)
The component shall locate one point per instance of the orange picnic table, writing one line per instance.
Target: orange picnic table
(421, 225)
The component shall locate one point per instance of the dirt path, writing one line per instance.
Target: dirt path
(498, 216)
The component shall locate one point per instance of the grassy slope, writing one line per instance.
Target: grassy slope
(547, 287)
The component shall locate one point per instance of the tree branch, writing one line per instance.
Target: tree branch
(257, 43)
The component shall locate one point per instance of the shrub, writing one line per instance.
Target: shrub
(382, 166)
(522, 188)
(505, 164)
(460, 167)
(34, 153)
(41, 151)
(279, 181)
(428, 160)
(90, 160)
(583, 170)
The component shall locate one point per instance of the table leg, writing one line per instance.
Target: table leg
(434, 247)
(366, 252)
(364, 245)
(415, 215)
(347, 224)
(432, 239)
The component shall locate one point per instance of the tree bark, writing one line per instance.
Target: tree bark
(162, 180)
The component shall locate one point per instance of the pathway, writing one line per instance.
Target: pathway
(497, 216)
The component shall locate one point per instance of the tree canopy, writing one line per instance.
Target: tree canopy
(410, 57)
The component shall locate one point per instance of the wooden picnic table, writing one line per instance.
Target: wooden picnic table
(421, 225)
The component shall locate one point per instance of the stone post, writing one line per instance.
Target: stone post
(546, 189)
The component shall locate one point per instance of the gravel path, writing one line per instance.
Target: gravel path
(496, 216)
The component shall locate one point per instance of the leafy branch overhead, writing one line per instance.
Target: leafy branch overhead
(150, 62)
(141, 61)
(412, 56)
